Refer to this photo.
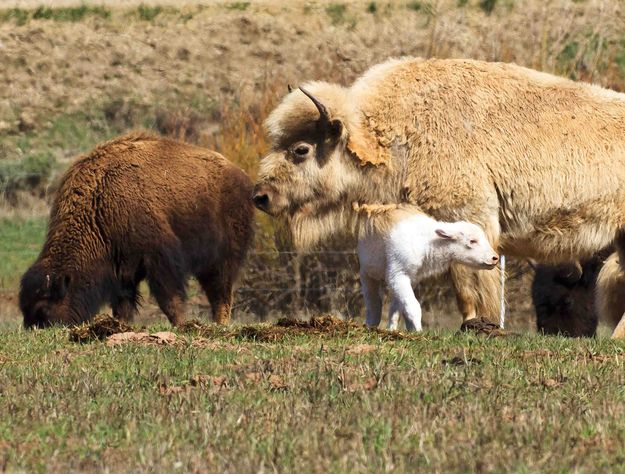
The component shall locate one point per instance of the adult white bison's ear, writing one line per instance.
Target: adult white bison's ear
(362, 144)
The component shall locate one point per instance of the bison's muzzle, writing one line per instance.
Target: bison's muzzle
(267, 199)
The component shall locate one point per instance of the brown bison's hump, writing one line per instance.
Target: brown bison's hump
(141, 170)
(143, 157)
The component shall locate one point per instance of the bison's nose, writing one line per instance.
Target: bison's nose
(261, 201)
(495, 259)
(261, 197)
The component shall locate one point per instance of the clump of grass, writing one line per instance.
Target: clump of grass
(462, 3)
(241, 6)
(71, 14)
(423, 7)
(61, 14)
(487, 6)
(18, 15)
(336, 12)
(372, 8)
(148, 13)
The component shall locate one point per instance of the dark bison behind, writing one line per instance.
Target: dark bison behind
(564, 296)
(137, 207)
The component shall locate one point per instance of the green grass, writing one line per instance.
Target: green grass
(20, 243)
(446, 403)
(487, 6)
(60, 14)
(339, 16)
(241, 6)
(148, 13)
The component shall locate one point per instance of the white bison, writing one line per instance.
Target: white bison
(536, 160)
(400, 245)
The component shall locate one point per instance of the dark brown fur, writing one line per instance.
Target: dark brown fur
(564, 296)
(137, 207)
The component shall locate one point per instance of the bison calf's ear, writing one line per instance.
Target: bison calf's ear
(444, 235)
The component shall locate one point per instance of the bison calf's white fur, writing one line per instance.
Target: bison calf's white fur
(401, 245)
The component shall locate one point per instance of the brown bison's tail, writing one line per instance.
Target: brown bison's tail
(610, 297)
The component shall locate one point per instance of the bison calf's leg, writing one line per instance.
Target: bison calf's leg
(404, 299)
(373, 301)
(218, 289)
(477, 292)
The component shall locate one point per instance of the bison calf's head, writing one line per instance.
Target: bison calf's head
(468, 245)
(43, 298)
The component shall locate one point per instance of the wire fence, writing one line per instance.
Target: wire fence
(287, 283)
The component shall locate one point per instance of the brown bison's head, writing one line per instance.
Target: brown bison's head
(317, 162)
(44, 298)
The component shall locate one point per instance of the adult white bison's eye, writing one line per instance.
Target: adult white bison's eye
(301, 150)
(473, 241)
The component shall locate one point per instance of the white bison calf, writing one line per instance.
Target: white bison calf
(401, 245)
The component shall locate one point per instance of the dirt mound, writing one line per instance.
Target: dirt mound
(324, 326)
(484, 327)
(99, 328)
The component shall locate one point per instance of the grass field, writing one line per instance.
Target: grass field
(346, 400)
(256, 398)
(20, 242)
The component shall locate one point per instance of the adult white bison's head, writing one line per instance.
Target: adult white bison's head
(319, 162)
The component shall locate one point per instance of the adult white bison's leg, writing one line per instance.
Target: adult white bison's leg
(477, 292)
(610, 299)
(373, 300)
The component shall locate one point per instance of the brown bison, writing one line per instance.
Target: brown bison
(137, 207)
(537, 160)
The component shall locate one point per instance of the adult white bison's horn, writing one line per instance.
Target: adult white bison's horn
(324, 116)
(288, 86)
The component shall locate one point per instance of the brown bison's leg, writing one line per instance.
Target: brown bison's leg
(125, 304)
(218, 289)
(166, 280)
(124, 309)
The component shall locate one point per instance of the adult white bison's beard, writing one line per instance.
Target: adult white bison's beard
(313, 226)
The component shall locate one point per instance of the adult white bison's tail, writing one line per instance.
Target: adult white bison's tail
(610, 296)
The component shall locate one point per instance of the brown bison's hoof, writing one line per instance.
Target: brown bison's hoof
(482, 326)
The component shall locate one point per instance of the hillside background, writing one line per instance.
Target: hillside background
(74, 74)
